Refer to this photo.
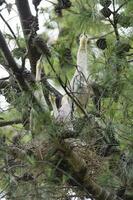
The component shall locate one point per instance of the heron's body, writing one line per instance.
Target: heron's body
(35, 120)
(79, 83)
(78, 86)
(39, 90)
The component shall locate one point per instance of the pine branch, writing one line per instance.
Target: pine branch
(78, 165)
(9, 123)
(3, 84)
(27, 20)
(25, 15)
(5, 78)
(7, 54)
(129, 54)
(114, 24)
(12, 65)
(11, 30)
(121, 6)
(67, 90)
(130, 61)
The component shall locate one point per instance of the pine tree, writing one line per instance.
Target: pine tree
(88, 155)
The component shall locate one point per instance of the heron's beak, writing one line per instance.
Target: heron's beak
(88, 38)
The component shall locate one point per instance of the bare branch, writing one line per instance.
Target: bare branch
(114, 24)
(12, 65)
(27, 20)
(121, 6)
(25, 15)
(5, 78)
(10, 29)
(7, 54)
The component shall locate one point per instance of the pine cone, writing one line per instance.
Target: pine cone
(27, 177)
(58, 10)
(101, 43)
(41, 46)
(106, 12)
(64, 4)
(67, 54)
(105, 3)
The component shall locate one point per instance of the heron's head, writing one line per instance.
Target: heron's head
(84, 39)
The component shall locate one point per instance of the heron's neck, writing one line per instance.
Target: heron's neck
(83, 46)
(82, 63)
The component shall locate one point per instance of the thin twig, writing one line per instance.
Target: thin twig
(130, 61)
(9, 27)
(121, 6)
(4, 79)
(114, 24)
(114, 5)
(67, 89)
(96, 37)
(111, 22)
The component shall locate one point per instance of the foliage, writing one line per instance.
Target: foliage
(34, 162)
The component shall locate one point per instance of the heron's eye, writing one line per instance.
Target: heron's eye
(82, 35)
(86, 36)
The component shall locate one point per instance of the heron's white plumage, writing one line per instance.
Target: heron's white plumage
(38, 94)
(64, 113)
(54, 112)
(78, 85)
(39, 91)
